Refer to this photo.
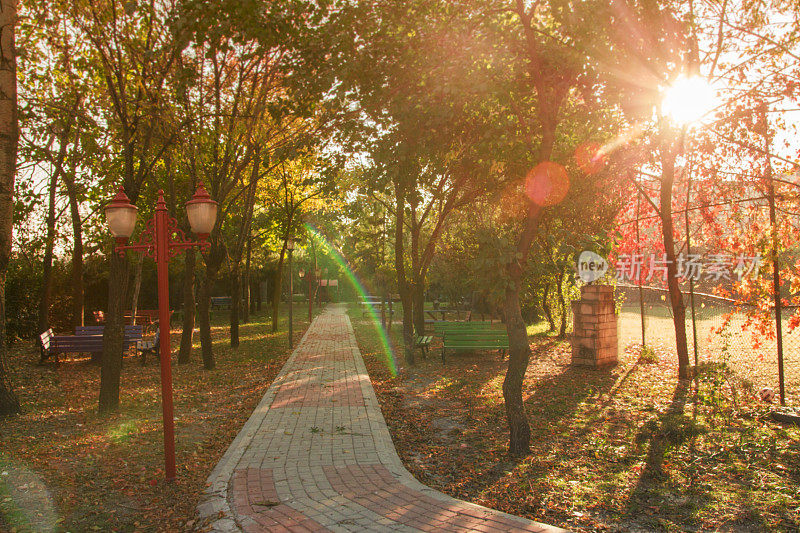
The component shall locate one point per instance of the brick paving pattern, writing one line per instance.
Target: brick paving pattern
(316, 455)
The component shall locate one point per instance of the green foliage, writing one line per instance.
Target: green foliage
(22, 299)
(648, 355)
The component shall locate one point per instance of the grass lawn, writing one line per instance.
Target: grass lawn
(64, 468)
(621, 449)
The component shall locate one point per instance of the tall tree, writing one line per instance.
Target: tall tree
(9, 138)
(135, 48)
(240, 242)
(47, 263)
(259, 80)
(549, 51)
(421, 122)
(296, 188)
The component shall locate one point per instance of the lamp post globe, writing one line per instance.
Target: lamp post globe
(121, 216)
(202, 212)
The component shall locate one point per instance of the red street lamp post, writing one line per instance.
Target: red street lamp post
(161, 240)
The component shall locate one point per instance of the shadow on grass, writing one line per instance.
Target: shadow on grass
(657, 493)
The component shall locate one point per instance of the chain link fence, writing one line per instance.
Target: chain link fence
(723, 332)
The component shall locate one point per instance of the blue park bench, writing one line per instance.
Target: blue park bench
(87, 339)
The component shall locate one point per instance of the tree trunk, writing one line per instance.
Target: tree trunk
(9, 404)
(276, 289)
(236, 302)
(47, 266)
(259, 296)
(118, 279)
(9, 137)
(548, 312)
(406, 299)
(77, 251)
(519, 350)
(562, 331)
(519, 353)
(137, 287)
(213, 259)
(50, 240)
(384, 297)
(246, 284)
(204, 318)
(185, 353)
(667, 231)
(402, 282)
(418, 290)
(113, 333)
(417, 283)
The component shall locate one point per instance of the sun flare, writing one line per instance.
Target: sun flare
(689, 99)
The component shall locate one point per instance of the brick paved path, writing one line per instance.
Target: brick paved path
(316, 455)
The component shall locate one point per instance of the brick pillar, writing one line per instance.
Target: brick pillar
(594, 338)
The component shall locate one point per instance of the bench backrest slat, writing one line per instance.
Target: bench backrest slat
(476, 335)
(46, 337)
(467, 324)
(98, 330)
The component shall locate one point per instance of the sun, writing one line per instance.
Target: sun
(688, 100)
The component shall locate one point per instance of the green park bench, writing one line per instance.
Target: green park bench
(486, 338)
(442, 327)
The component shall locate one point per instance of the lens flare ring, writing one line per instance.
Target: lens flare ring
(547, 184)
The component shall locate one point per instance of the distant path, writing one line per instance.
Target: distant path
(316, 455)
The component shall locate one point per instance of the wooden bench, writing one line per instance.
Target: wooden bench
(87, 339)
(150, 314)
(47, 346)
(145, 317)
(423, 342)
(220, 302)
(368, 308)
(370, 305)
(442, 327)
(488, 339)
(131, 332)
